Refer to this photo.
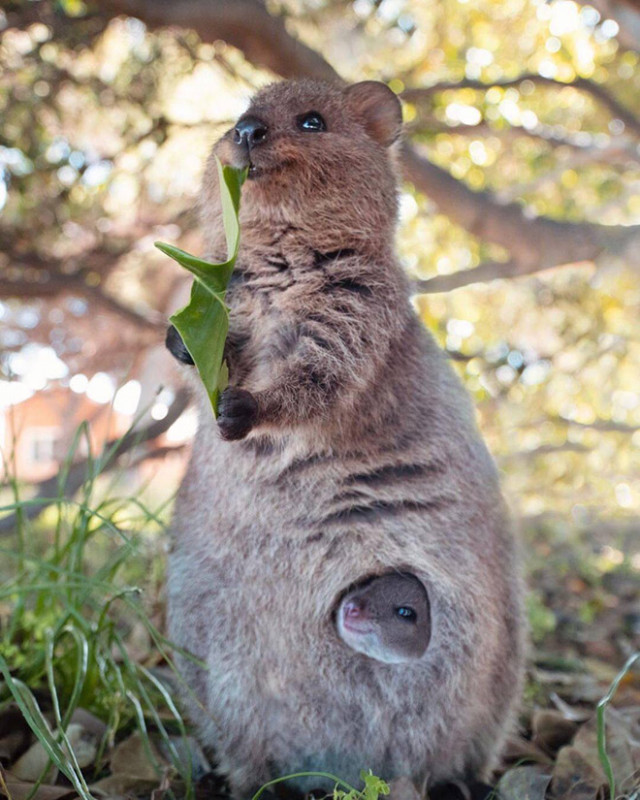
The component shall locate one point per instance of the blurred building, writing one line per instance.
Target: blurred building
(37, 433)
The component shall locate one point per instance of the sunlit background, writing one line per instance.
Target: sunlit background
(104, 128)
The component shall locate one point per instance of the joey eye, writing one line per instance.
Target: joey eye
(406, 613)
(311, 122)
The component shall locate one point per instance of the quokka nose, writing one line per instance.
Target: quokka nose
(250, 131)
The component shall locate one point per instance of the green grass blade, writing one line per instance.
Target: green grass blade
(601, 724)
(333, 778)
(80, 672)
(80, 506)
(144, 733)
(71, 756)
(34, 718)
(178, 762)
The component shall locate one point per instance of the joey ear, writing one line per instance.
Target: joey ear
(378, 108)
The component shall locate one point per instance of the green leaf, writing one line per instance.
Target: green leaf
(373, 786)
(230, 181)
(203, 323)
(212, 277)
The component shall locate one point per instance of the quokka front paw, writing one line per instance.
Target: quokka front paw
(237, 413)
(176, 346)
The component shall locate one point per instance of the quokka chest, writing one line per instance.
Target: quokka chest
(267, 304)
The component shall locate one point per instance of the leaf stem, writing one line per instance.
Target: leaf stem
(334, 778)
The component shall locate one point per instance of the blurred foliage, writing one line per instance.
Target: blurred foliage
(105, 125)
(75, 635)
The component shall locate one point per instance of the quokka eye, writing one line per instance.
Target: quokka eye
(407, 613)
(311, 122)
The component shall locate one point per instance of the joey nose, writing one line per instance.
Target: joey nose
(250, 131)
(352, 610)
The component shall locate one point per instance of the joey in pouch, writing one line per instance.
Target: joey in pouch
(387, 618)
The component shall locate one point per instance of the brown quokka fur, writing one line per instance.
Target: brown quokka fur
(345, 448)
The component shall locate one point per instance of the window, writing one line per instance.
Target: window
(41, 448)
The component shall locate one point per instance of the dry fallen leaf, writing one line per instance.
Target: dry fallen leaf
(132, 769)
(83, 743)
(16, 789)
(30, 766)
(519, 749)
(569, 712)
(89, 722)
(134, 756)
(574, 777)
(551, 730)
(523, 783)
(622, 748)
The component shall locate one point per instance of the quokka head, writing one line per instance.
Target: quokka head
(319, 156)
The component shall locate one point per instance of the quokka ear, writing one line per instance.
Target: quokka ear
(378, 108)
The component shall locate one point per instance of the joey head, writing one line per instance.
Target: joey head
(386, 618)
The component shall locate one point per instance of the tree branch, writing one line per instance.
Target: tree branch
(152, 320)
(544, 450)
(47, 279)
(487, 271)
(245, 24)
(583, 84)
(626, 149)
(602, 425)
(614, 154)
(534, 244)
